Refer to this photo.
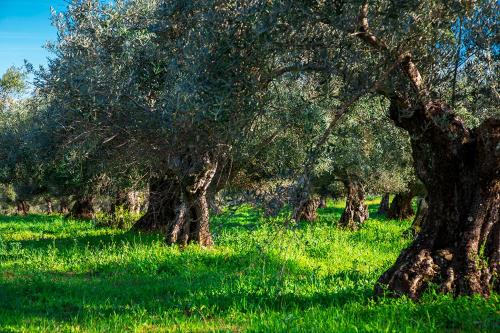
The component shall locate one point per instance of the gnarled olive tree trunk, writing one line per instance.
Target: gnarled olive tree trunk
(307, 209)
(323, 201)
(383, 208)
(401, 208)
(461, 171)
(355, 212)
(178, 203)
(458, 247)
(191, 223)
(164, 198)
(420, 216)
(83, 208)
(23, 207)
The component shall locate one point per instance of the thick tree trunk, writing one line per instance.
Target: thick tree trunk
(307, 210)
(50, 210)
(355, 212)
(383, 208)
(23, 207)
(401, 208)
(461, 171)
(178, 204)
(83, 209)
(459, 245)
(191, 223)
(164, 198)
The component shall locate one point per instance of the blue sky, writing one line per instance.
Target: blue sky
(24, 28)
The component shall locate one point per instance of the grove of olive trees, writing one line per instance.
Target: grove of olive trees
(189, 102)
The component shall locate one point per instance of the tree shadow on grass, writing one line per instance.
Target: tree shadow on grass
(27, 218)
(93, 241)
(182, 283)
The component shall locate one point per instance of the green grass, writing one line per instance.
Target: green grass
(58, 275)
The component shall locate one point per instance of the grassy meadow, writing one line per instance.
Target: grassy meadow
(60, 275)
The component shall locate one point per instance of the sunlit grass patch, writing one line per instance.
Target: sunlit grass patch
(261, 276)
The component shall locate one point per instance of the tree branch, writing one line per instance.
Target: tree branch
(404, 58)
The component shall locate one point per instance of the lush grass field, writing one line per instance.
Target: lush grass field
(59, 275)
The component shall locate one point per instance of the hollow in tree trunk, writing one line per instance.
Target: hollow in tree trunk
(164, 198)
(355, 212)
(458, 247)
(401, 208)
(83, 208)
(383, 208)
(307, 210)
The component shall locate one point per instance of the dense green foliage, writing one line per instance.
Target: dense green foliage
(65, 275)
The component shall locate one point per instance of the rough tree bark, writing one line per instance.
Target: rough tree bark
(461, 171)
(458, 247)
(401, 207)
(355, 212)
(307, 210)
(164, 198)
(23, 207)
(191, 223)
(383, 208)
(83, 208)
